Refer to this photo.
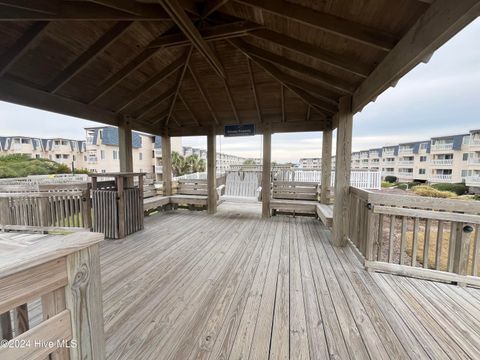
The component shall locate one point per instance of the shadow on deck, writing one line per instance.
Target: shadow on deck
(234, 286)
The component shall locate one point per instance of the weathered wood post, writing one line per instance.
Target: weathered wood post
(125, 144)
(266, 170)
(212, 171)
(166, 164)
(342, 171)
(462, 247)
(326, 166)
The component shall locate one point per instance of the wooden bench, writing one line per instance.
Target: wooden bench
(325, 214)
(294, 197)
(155, 202)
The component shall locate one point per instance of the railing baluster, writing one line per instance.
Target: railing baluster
(438, 250)
(391, 238)
(416, 222)
(403, 239)
(426, 243)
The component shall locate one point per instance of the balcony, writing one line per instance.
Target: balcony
(158, 169)
(405, 162)
(442, 162)
(441, 178)
(473, 180)
(442, 147)
(388, 153)
(405, 151)
(92, 160)
(405, 174)
(474, 161)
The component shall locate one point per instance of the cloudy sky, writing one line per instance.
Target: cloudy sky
(439, 98)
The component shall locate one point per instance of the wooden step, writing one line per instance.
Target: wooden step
(325, 214)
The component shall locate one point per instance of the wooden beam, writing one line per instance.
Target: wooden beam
(254, 90)
(212, 170)
(441, 21)
(150, 83)
(204, 94)
(166, 164)
(212, 33)
(339, 61)
(88, 56)
(266, 170)
(332, 82)
(178, 15)
(27, 40)
(230, 100)
(342, 172)
(154, 103)
(326, 166)
(189, 109)
(131, 7)
(181, 75)
(211, 6)
(333, 24)
(125, 149)
(309, 113)
(75, 11)
(42, 6)
(282, 98)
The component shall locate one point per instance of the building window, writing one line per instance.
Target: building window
(74, 158)
(37, 156)
(104, 171)
(153, 153)
(115, 154)
(84, 157)
(422, 171)
(140, 156)
(65, 156)
(58, 156)
(465, 157)
(102, 154)
(423, 158)
(25, 141)
(464, 173)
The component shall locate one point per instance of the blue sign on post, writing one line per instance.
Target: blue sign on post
(239, 130)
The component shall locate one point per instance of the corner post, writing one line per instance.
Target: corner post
(125, 144)
(266, 170)
(326, 166)
(342, 171)
(166, 164)
(212, 171)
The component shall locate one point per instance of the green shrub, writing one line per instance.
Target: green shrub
(402, 186)
(425, 190)
(386, 184)
(391, 179)
(476, 197)
(458, 189)
(17, 165)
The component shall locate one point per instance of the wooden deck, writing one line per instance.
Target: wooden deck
(192, 285)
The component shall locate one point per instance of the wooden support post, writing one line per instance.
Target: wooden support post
(6, 326)
(266, 172)
(167, 164)
(211, 171)
(326, 166)
(53, 303)
(83, 297)
(342, 171)
(125, 145)
(462, 247)
(120, 181)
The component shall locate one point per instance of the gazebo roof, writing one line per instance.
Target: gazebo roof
(183, 66)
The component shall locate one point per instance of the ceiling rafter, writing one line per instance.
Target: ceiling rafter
(339, 61)
(332, 82)
(150, 83)
(211, 6)
(181, 75)
(181, 19)
(203, 93)
(327, 22)
(308, 114)
(211, 33)
(76, 11)
(189, 109)
(282, 98)
(88, 56)
(154, 103)
(26, 41)
(254, 89)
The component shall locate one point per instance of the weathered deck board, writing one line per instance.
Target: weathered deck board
(234, 286)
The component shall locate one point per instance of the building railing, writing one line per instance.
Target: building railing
(442, 162)
(405, 174)
(473, 180)
(405, 162)
(474, 161)
(405, 151)
(441, 178)
(437, 239)
(158, 169)
(441, 147)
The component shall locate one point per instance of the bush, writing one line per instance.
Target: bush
(386, 184)
(402, 186)
(458, 189)
(391, 179)
(425, 190)
(17, 165)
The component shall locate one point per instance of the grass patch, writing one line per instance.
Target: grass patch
(425, 190)
(18, 165)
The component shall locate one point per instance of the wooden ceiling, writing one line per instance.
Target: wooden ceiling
(183, 66)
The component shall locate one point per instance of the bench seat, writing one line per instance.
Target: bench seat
(155, 202)
(295, 206)
(189, 199)
(325, 214)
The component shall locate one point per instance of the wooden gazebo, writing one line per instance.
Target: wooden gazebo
(187, 67)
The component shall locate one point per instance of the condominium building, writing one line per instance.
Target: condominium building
(65, 151)
(445, 159)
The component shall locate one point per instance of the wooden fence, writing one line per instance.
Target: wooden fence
(417, 236)
(49, 206)
(64, 272)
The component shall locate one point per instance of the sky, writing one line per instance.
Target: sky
(434, 99)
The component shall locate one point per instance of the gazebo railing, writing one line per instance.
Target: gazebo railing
(438, 239)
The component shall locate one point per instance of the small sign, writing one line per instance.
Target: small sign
(239, 130)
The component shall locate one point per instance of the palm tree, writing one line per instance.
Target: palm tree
(194, 163)
(178, 164)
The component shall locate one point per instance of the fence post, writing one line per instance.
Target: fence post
(372, 225)
(87, 208)
(462, 247)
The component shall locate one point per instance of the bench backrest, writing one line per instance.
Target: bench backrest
(192, 187)
(293, 190)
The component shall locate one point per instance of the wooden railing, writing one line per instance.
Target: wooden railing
(64, 272)
(417, 236)
(52, 206)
